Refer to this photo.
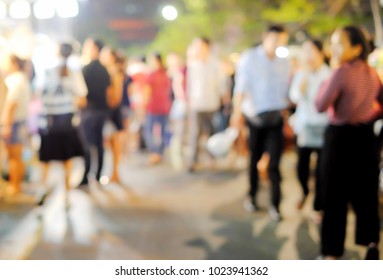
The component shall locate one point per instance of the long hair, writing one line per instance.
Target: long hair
(65, 51)
(357, 37)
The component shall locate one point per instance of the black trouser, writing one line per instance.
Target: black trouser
(269, 139)
(349, 170)
(92, 124)
(199, 122)
(303, 170)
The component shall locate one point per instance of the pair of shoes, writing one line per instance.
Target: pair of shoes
(372, 253)
(274, 214)
(249, 204)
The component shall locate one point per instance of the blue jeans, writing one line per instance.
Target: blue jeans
(152, 120)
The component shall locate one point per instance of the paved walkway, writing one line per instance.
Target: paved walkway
(163, 214)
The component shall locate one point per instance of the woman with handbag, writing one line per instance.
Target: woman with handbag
(62, 90)
(309, 125)
(350, 157)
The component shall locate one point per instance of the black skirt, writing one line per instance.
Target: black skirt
(60, 146)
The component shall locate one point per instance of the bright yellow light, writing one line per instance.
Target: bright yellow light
(169, 13)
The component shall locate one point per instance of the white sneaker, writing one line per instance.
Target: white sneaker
(249, 205)
(274, 214)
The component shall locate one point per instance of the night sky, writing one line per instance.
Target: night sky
(122, 21)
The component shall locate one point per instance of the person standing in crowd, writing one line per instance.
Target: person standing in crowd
(125, 102)
(350, 158)
(96, 111)
(109, 59)
(206, 86)
(309, 125)
(261, 90)
(62, 90)
(176, 71)
(13, 119)
(158, 107)
(138, 72)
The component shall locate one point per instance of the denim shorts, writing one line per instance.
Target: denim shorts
(17, 134)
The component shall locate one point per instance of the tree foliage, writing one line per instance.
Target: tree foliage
(236, 24)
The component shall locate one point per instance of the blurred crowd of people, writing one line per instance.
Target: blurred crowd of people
(170, 106)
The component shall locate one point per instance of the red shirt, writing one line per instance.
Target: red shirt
(350, 94)
(160, 86)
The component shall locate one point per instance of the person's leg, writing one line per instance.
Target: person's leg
(335, 176)
(99, 141)
(116, 150)
(16, 167)
(163, 121)
(256, 146)
(208, 119)
(67, 167)
(303, 172)
(44, 172)
(318, 199)
(364, 193)
(148, 126)
(274, 145)
(194, 132)
(85, 133)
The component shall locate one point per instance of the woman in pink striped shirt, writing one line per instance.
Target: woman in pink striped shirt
(350, 155)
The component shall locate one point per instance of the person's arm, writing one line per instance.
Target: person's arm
(115, 90)
(81, 90)
(241, 88)
(178, 81)
(329, 91)
(147, 93)
(7, 118)
(380, 95)
(298, 87)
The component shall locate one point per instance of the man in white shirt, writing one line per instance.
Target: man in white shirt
(205, 89)
(261, 93)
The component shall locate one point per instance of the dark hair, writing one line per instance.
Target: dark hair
(277, 28)
(120, 61)
(357, 37)
(205, 40)
(20, 63)
(98, 43)
(158, 57)
(65, 51)
(318, 44)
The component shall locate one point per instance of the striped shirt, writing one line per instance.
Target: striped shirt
(351, 94)
(59, 93)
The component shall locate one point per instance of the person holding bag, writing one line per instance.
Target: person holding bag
(261, 94)
(350, 157)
